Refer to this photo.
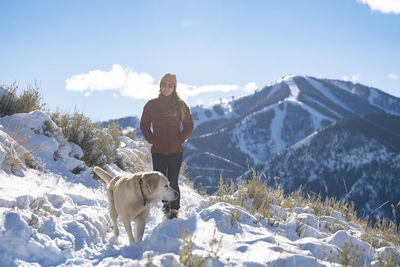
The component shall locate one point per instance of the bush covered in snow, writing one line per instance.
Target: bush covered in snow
(98, 145)
(34, 140)
(132, 156)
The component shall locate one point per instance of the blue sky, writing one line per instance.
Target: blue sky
(105, 58)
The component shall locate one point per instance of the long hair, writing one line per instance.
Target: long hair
(176, 106)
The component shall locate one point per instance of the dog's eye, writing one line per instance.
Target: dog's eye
(166, 186)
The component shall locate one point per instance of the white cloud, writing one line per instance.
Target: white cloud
(384, 6)
(393, 76)
(97, 80)
(354, 78)
(250, 87)
(133, 84)
(127, 82)
(186, 90)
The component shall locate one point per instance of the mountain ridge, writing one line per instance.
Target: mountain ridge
(279, 115)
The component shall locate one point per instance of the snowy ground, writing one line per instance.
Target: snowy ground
(49, 217)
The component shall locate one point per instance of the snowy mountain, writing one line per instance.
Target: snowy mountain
(50, 216)
(234, 134)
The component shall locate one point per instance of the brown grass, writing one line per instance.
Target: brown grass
(17, 157)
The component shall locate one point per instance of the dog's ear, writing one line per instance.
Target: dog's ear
(152, 182)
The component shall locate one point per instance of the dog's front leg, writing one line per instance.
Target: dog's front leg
(140, 222)
(128, 228)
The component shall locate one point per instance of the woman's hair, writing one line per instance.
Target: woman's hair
(176, 106)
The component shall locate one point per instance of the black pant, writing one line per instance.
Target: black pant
(169, 165)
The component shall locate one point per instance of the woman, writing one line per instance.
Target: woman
(165, 114)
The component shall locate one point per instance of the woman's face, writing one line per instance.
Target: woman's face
(167, 88)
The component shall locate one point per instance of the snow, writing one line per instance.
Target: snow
(327, 93)
(49, 216)
(294, 89)
(389, 107)
(275, 87)
(375, 97)
(276, 130)
(255, 151)
(244, 146)
(305, 141)
(372, 96)
(224, 104)
(341, 84)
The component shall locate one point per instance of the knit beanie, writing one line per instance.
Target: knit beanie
(170, 78)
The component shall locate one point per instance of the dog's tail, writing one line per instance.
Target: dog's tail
(105, 176)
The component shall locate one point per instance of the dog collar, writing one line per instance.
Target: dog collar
(141, 190)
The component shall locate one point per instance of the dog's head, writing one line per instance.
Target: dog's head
(158, 187)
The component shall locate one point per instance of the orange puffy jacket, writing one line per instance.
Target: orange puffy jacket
(166, 136)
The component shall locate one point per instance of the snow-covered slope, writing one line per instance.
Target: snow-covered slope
(44, 140)
(50, 217)
(46, 220)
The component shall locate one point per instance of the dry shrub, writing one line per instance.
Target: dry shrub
(8, 101)
(16, 157)
(350, 255)
(391, 259)
(260, 193)
(115, 132)
(187, 258)
(383, 232)
(130, 132)
(253, 195)
(28, 101)
(129, 161)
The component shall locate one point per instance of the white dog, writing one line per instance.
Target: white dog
(130, 198)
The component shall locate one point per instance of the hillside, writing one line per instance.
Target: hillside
(357, 159)
(51, 216)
